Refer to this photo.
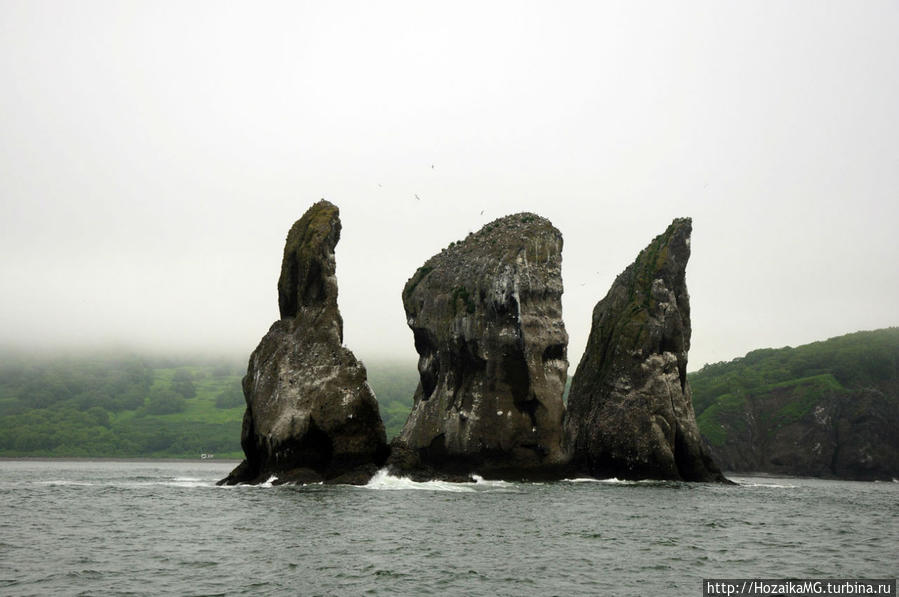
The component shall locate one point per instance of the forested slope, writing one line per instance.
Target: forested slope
(828, 408)
(133, 406)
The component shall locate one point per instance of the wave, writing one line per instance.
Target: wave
(269, 482)
(611, 481)
(774, 485)
(184, 483)
(385, 481)
(481, 482)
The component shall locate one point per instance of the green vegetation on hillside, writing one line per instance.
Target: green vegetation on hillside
(130, 406)
(798, 377)
(394, 384)
(118, 406)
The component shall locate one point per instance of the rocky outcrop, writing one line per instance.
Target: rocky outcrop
(825, 409)
(810, 428)
(486, 317)
(630, 413)
(311, 415)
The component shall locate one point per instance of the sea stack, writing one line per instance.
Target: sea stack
(630, 413)
(311, 415)
(486, 317)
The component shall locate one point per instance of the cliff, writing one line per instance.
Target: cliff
(826, 409)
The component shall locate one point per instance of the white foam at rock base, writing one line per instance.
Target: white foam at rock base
(385, 481)
(609, 481)
(479, 480)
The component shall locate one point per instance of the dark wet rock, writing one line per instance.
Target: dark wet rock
(486, 317)
(360, 475)
(804, 429)
(311, 414)
(297, 476)
(630, 413)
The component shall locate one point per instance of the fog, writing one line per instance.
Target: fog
(154, 155)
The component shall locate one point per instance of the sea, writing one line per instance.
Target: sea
(164, 528)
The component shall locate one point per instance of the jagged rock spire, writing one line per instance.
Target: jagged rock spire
(630, 413)
(311, 414)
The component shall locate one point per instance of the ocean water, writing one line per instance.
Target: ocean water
(153, 528)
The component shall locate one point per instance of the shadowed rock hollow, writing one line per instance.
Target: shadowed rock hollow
(311, 414)
(630, 413)
(486, 317)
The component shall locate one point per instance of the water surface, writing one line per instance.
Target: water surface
(149, 528)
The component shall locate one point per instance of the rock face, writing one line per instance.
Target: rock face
(486, 316)
(797, 430)
(630, 413)
(825, 409)
(311, 414)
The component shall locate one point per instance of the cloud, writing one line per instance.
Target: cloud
(152, 161)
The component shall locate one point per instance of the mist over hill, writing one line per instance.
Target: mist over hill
(827, 408)
(128, 405)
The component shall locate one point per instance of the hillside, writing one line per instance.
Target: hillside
(132, 406)
(828, 408)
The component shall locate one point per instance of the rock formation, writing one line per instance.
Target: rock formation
(486, 317)
(311, 414)
(847, 434)
(825, 409)
(630, 413)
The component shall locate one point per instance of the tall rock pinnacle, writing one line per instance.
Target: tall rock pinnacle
(486, 317)
(630, 413)
(311, 414)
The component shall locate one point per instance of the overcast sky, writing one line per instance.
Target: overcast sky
(153, 156)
